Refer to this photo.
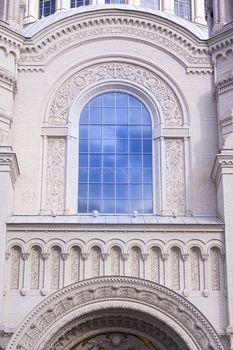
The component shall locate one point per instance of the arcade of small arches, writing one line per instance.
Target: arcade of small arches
(46, 268)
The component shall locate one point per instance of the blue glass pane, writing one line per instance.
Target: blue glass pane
(108, 100)
(109, 160)
(95, 115)
(96, 102)
(83, 160)
(83, 174)
(135, 146)
(121, 132)
(95, 160)
(108, 191)
(115, 155)
(121, 146)
(83, 146)
(121, 100)
(82, 190)
(135, 116)
(122, 175)
(122, 206)
(135, 191)
(135, 175)
(95, 174)
(94, 190)
(83, 132)
(94, 204)
(108, 175)
(122, 191)
(95, 146)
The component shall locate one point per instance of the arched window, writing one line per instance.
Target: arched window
(115, 155)
(183, 9)
(46, 8)
(78, 3)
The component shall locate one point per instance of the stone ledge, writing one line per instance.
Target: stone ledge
(223, 165)
(9, 163)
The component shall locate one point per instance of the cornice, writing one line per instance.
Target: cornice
(7, 80)
(192, 52)
(221, 39)
(225, 82)
(10, 40)
(8, 162)
(223, 165)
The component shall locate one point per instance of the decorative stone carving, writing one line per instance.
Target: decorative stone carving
(215, 268)
(95, 261)
(115, 254)
(174, 172)
(195, 268)
(115, 71)
(55, 267)
(15, 267)
(35, 267)
(47, 316)
(55, 185)
(75, 255)
(135, 253)
(193, 54)
(175, 268)
(155, 264)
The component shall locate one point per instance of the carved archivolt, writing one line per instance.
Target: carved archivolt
(115, 71)
(38, 329)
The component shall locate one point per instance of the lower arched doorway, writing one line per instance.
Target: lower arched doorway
(115, 313)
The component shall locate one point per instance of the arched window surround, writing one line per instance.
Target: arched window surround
(162, 132)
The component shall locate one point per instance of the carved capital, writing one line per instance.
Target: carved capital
(25, 256)
(85, 256)
(104, 256)
(45, 256)
(65, 256)
(125, 256)
(205, 256)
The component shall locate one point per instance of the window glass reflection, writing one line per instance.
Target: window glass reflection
(115, 155)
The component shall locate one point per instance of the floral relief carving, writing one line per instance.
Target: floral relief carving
(75, 255)
(155, 265)
(55, 267)
(175, 192)
(195, 268)
(95, 261)
(69, 91)
(45, 318)
(135, 261)
(15, 267)
(55, 176)
(35, 268)
(175, 268)
(215, 268)
(115, 255)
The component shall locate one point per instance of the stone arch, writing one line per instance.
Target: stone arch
(67, 310)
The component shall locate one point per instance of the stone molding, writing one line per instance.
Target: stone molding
(7, 80)
(10, 41)
(108, 24)
(224, 82)
(45, 317)
(8, 162)
(223, 165)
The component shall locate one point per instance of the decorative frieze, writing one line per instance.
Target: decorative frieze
(55, 179)
(174, 175)
(115, 71)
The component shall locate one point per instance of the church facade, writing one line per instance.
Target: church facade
(116, 175)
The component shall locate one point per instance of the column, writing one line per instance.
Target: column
(85, 257)
(187, 176)
(186, 289)
(125, 257)
(165, 277)
(205, 257)
(168, 6)
(215, 15)
(146, 274)
(32, 11)
(66, 275)
(199, 12)
(222, 12)
(45, 258)
(25, 273)
(104, 258)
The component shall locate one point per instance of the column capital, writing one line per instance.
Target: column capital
(223, 165)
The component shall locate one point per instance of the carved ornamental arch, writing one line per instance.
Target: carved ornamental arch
(53, 323)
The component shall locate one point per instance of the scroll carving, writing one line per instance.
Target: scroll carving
(69, 91)
(55, 176)
(75, 264)
(95, 261)
(195, 268)
(175, 268)
(55, 267)
(135, 261)
(215, 268)
(15, 267)
(175, 184)
(35, 268)
(115, 260)
(155, 265)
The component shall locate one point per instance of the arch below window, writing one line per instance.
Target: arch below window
(115, 155)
